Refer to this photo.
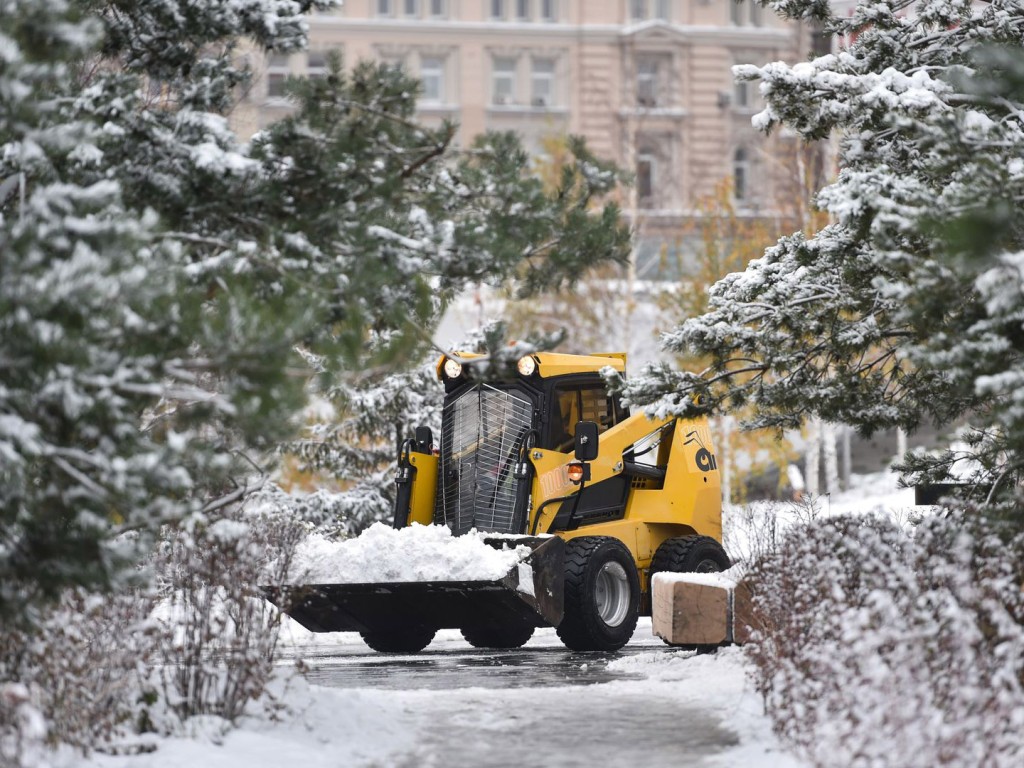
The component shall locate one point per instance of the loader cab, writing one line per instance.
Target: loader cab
(490, 424)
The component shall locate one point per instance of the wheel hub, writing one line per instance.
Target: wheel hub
(612, 594)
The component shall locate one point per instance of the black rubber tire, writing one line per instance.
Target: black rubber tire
(582, 628)
(511, 635)
(688, 554)
(408, 640)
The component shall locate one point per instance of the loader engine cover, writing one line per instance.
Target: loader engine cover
(482, 433)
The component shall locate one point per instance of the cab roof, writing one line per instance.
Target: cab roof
(552, 364)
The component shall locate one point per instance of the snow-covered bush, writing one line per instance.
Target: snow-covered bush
(82, 673)
(22, 728)
(881, 646)
(218, 635)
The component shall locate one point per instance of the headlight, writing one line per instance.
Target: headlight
(452, 369)
(526, 365)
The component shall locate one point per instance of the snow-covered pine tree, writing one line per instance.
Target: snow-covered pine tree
(158, 274)
(91, 329)
(907, 306)
(356, 450)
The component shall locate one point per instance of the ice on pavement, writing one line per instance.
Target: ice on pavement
(415, 553)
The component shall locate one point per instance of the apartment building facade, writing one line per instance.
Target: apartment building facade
(647, 82)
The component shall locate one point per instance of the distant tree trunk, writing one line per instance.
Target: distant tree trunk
(901, 444)
(724, 456)
(813, 456)
(830, 457)
(845, 456)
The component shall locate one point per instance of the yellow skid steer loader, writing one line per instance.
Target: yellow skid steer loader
(546, 458)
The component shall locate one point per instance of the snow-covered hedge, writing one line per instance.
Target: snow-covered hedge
(882, 646)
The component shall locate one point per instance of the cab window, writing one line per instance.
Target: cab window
(580, 403)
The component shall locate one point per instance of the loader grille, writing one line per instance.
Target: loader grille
(481, 433)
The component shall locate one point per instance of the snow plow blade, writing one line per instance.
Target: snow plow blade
(390, 606)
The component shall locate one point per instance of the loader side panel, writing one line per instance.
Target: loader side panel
(424, 488)
(692, 492)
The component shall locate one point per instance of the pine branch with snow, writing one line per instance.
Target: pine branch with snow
(902, 310)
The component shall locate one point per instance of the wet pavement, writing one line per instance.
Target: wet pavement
(449, 669)
(540, 705)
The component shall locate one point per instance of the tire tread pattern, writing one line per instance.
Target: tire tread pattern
(409, 641)
(507, 636)
(579, 628)
(673, 554)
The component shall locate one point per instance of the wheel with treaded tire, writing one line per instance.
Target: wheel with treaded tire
(507, 635)
(406, 640)
(602, 594)
(688, 554)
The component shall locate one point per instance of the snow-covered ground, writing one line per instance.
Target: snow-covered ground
(701, 710)
(710, 713)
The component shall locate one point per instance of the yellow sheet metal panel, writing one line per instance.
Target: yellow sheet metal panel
(551, 479)
(623, 530)
(692, 494)
(556, 364)
(424, 488)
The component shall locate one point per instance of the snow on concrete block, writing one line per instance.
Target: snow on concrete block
(700, 609)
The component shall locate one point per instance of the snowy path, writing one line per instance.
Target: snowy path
(453, 706)
(543, 705)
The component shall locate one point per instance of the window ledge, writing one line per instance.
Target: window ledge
(527, 108)
(653, 112)
(436, 106)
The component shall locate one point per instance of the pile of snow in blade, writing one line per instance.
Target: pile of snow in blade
(415, 553)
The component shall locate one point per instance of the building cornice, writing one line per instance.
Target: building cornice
(606, 33)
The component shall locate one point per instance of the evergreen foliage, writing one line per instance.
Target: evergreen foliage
(906, 308)
(158, 274)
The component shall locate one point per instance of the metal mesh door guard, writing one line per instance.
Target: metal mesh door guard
(481, 434)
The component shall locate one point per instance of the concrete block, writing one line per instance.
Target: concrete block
(700, 609)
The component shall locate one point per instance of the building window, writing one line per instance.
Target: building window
(316, 64)
(542, 83)
(744, 92)
(278, 70)
(647, 81)
(503, 83)
(641, 10)
(384, 8)
(498, 10)
(741, 94)
(755, 13)
(432, 75)
(393, 60)
(646, 168)
(437, 9)
(411, 7)
(740, 175)
(522, 10)
(549, 10)
(745, 13)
